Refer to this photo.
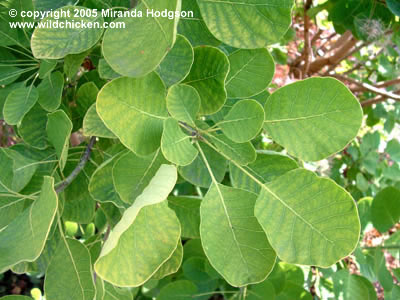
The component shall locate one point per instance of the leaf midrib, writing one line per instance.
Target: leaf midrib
(308, 117)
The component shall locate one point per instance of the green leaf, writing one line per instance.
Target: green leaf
(24, 167)
(7, 171)
(9, 74)
(145, 238)
(172, 265)
(18, 103)
(24, 238)
(50, 91)
(33, 127)
(79, 206)
(209, 71)
(187, 210)
(139, 102)
(393, 149)
(384, 276)
(94, 126)
(352, 287)
(183, 103)
(243, 153)
(180, 289)
(199, 270)
(385, 209)
(59, 128)
(313, 118)
(394, 294)
(70, 273)
(292, 291)
(86, 97)
(49, 4)
(106, 291)
(394, 241)
(308, 220)
(268, 166)
(364, 209)
(228, 223)
(243, 122)
(46, 67)
(5, 91)
(10, 208)
(194, 28)
(105, 70)
(176, 65)
(197, 173)
(362, 183)
(247, 24)
(394, 6)
(10, 36)
(175, 145)
(50, 42)
(131, 174)
(101, 185)
(139, 57)
(258, 291)
(73, 62)
(251, 72)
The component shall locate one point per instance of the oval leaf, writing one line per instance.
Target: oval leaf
(131, 174)
(268, 166)
(138, 57)
(94, 126)
(183, 103)
(176, 65)
(385, 209)
(175, 145)
(59, 128)
(51, 42)
(243, 122)
(197, 173)
(207, 76)
(251, 72)
(18, 103)
(72, 266)
(308, 220)
(24, 238)
(313, 118)
(50, 91)
(247, 23)
(228, 222)
(146, 236)
(139, 103)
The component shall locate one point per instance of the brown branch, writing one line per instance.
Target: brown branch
(345, 47)
(369, 102)
(316, 36)
(376, 100)
(368, 87)
(379, 85)
(350, 53)
(307, 42)
(327, 40)
(82, 163)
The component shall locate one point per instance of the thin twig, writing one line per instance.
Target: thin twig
(307, 43)
(383, 247)
(361, 64)
(82, 163)
(368, 87)
(378, 85)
